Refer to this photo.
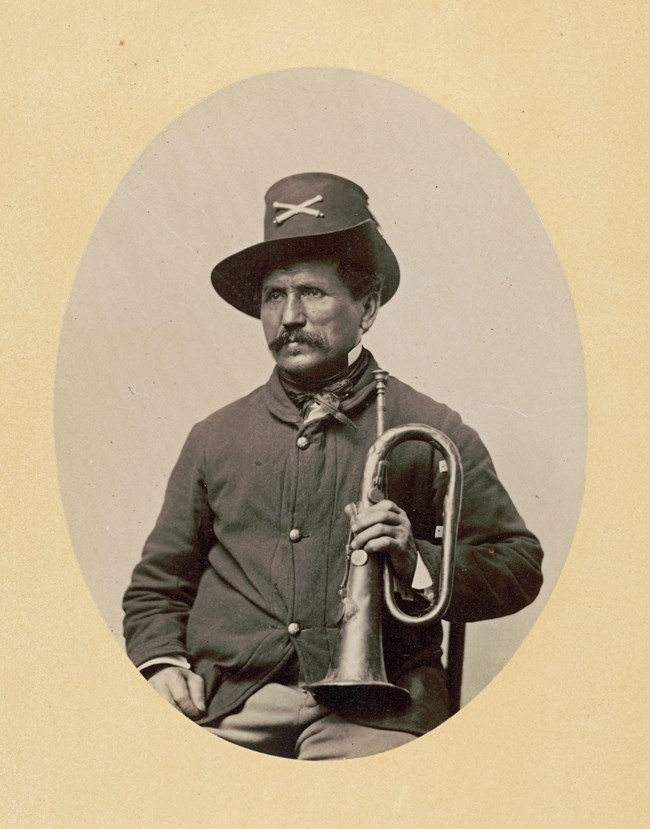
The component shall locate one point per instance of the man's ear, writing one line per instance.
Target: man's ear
(370, 309)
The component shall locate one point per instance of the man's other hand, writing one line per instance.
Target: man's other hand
(385, 528)
(182, 687)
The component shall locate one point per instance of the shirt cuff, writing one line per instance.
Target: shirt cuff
(421, 582)
(421, 577)
(177, 661)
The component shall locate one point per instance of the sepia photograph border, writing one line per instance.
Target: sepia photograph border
(557, 92)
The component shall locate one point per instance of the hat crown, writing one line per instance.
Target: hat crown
(309, 204)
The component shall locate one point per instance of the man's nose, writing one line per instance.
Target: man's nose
(293, 314)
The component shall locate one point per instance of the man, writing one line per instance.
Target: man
(236, 604)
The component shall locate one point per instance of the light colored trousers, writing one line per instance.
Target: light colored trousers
(286, 721)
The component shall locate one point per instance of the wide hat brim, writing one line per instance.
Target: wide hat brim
(238, 278)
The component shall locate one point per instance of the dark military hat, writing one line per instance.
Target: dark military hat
(308, 215)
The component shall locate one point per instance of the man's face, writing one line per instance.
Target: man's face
(310, 320)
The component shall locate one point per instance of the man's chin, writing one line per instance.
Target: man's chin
(296, 361)
(301, 359)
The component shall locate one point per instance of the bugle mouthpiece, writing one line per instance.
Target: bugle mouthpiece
(380, 376)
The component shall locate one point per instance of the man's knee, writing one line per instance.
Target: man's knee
(332, 738)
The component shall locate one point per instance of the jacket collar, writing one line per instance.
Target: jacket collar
(279, 404)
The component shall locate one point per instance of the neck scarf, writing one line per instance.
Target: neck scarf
(328, 392)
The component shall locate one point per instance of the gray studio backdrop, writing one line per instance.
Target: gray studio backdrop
(483, 319)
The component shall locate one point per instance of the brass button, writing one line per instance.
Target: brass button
(295, 535)
(302, 442)
(294, 629)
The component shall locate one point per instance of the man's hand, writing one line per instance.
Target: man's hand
(183, 688)
(385, 528)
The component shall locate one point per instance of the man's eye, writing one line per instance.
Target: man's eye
(272, 296)
(313, 292)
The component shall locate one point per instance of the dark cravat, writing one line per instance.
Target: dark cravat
(328, 392)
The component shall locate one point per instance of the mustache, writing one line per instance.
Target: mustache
(286, 337)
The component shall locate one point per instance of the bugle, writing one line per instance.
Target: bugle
(357, 678)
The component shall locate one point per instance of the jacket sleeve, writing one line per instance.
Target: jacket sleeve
(498, 560)
(165, 581)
